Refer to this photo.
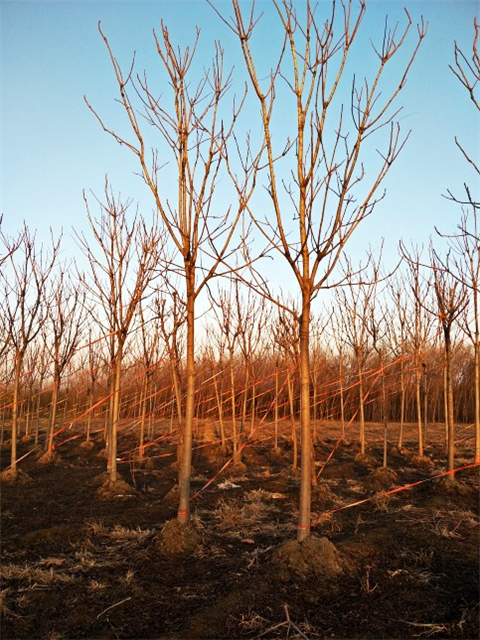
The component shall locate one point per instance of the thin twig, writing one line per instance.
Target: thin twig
(117, 604)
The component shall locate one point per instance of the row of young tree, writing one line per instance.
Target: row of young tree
(379, 353)
(137, 298)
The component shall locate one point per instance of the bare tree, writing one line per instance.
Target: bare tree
(196, 135)
(397, 330)
(62, 331)
(419, 328)
(325, 153)
(467, 241)
(225, 311)
(123, 264)
(24, 280)
(451, 301)
(150, 355)
(285, 337)
(356, 303)
(172, 322)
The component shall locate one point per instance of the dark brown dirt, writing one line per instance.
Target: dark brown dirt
(79, 562)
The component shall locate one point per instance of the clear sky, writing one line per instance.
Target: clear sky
(52, 147)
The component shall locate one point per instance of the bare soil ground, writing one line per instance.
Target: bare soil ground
(79, 563)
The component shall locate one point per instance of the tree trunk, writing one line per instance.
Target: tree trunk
(16, 389)
(419, 409)
(53, 416)
(220, 414)
(402, 402)
(304, 512)
(143, 418)
(183, 514)
(450, 421)
(477, 400)
(361, 405)
(275, 443)
(235, 444)
(112, 444)
(292, 421)
(342, 400)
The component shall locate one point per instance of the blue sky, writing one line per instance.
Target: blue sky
(52, 147)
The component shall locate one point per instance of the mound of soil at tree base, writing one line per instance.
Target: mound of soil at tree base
(366, 461)
(382, 478)
(49, 457)
(87, 445)
(421, 462)
(117, 489)
(318, 556)
(339, 470)
(10, 476)
(180, 538)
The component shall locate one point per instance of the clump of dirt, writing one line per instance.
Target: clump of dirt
(316, 556)
(365, 461)
(49, 457)
(339, 470)
(400, 451)
(87, 445)
(382, 478)
(237, 468)
(116, 489)
(180, 538)
(11, 476)
(421, 462)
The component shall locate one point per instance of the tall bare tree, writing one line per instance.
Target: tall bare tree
(419, 328)
(199, 224)
(466, 242)
(123, 260)
(451, 301)
(356, 303)
(325, 188)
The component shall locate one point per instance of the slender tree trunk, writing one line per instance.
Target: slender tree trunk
(143, 418)
(402, 402)
(112, 447)
(361, 405)
(235, 444)
(16, 389)
(304, 514)
(37, 422)
(183, 514)
(253, 407)
(53, 416)
(342, 399)
(275, 443)
(425, 414)
(89, 414)
(245, 401)
(445, 404)
(477, 400)
(385, 419)
(418, 392)
(292, 421)
(451, 424)
(220, 414)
